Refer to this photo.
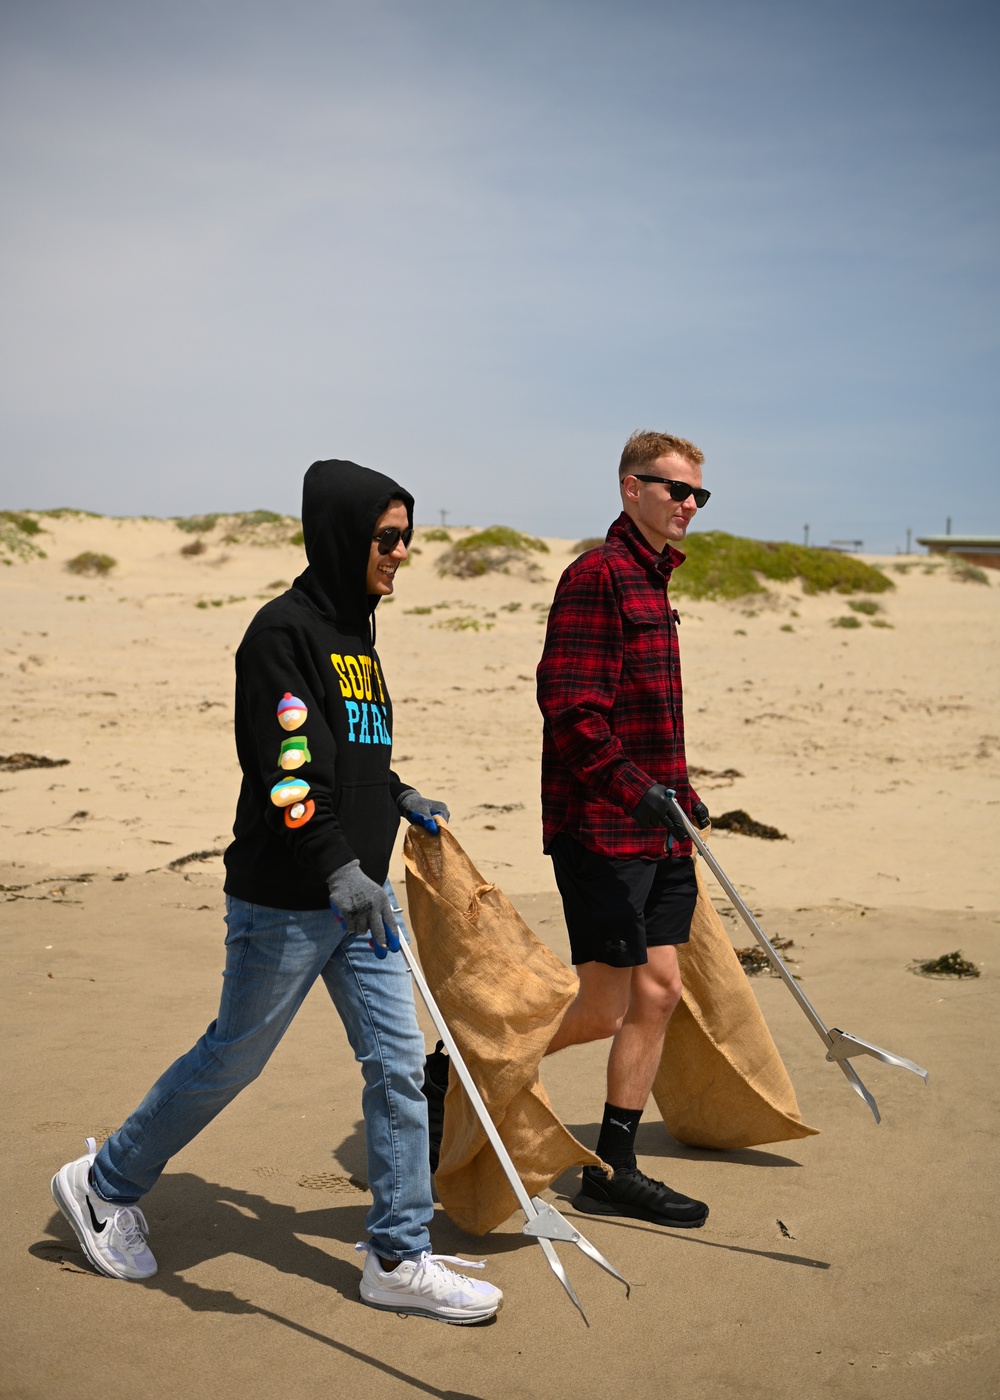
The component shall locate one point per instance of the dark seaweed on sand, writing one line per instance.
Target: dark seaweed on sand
(754, 960)
(19, 762)
(744, 825)
(948, 965)
(181, 861)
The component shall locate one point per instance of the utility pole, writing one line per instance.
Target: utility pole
(806, 541)
(947, 526)
(444, 517)
(909, 533)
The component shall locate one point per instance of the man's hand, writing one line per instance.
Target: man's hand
(421, 811)
(656, 809)
(700, 817)
(361, 905)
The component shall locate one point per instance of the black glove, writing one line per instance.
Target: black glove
(421, 811)
(700, 817)
(656, 809)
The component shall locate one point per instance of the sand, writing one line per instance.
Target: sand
(860, 1263)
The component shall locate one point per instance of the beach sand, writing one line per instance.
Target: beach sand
(860, 1263)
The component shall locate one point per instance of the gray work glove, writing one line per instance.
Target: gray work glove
(362, 905)
(421, 811)
(656, 809)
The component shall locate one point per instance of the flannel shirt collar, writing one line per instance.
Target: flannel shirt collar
(628, 533)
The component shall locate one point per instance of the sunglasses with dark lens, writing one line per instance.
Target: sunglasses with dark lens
(679, 490)
(388, 539)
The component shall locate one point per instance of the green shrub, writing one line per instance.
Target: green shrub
(591, 542)
(498, 549)
(262, 527)
(60, 512)
(501, 537)
(729, 566)
(196, 524)
(868, 606)
(963, 572)
(17, 532)
(436, 535)
(91, 564)
(849, 621)
(259, 527)
(22, 522)
(463, 624)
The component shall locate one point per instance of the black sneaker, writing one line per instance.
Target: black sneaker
(436, 1068)
(630, 1192)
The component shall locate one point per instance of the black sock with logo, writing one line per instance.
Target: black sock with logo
(616, 1144)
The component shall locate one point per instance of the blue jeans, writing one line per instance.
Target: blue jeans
(273, 956)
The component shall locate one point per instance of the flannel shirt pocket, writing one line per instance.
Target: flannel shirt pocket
(645, 608)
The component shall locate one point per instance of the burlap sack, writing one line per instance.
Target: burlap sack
(721, 1082)
(503, 995)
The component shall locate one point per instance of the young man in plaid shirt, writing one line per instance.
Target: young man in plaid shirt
(609, 688)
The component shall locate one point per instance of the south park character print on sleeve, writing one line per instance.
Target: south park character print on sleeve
(292, 794)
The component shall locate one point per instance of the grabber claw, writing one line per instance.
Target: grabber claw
(841, 1046)
(542, 1221)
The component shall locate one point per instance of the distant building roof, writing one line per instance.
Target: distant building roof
(960, 541)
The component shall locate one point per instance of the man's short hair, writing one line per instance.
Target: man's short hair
(644, 447)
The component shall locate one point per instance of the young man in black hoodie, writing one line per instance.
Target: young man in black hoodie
(305, 885)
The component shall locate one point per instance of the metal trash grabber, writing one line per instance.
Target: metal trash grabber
(543, 1222)
(840, 1045)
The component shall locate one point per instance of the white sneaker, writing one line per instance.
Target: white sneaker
(426, 1287)
(113, 1237)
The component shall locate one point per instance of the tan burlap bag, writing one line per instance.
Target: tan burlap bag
(502, 994)
(721, 1082)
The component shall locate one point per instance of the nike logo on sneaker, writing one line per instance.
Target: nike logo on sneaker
(97, 1224)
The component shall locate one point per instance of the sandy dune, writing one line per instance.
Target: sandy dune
(861, 1263)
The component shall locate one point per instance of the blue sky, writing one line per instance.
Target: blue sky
(475, 244)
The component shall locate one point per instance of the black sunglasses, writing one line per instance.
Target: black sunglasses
(679, 490)
(388, 539)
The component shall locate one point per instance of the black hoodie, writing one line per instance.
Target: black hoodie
(313, 715)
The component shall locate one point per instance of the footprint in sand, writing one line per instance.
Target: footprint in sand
(328, 1181)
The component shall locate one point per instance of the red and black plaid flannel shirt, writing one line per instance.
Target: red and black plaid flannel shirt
(609, 688)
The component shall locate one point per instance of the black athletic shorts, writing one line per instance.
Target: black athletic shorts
(616, 909)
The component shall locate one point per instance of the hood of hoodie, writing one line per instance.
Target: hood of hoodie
(341, 503)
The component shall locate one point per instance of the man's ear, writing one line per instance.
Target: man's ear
(629, 487)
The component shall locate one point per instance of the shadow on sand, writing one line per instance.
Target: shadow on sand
(219, 1220)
